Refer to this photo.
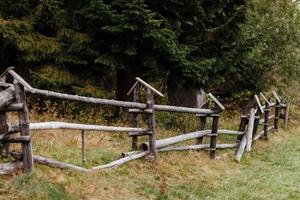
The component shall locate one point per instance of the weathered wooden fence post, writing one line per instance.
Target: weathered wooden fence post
(2, 128)
(242, 126)
(24, 127)
(202, 123)
(214, 132)
(214, 127)
(83, 149)
(3, 124)
(151, 123)
(257, 115)
(286, 114)
(276, 115)
(134, 117)
(266, 121)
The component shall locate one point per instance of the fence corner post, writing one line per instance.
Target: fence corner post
(24, 127)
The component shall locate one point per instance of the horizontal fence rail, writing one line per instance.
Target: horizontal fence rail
(111, 102)
(75, 126)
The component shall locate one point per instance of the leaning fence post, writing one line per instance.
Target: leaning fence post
(242, 126)
(151, 123)
(246, 141)
(24, 127)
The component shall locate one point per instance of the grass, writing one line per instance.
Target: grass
(270, 171)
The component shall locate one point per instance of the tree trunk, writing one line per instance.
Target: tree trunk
(181, 95)
(125, 80)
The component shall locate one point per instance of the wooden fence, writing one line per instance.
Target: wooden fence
(13, 98)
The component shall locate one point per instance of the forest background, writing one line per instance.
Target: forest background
(232, 48)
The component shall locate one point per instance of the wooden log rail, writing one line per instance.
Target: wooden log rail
(110, 102)
(75, 126)
(180, 138)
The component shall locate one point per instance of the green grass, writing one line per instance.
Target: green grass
(30, 186)
(270, 171)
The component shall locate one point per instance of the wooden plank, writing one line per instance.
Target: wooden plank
(247, 137)
(258, 104)
(266, 100)
(134, 118)
(242, 127)
(108, 102)
(7, 97)
(276, 116)
(18, 139)
(241, 148)
(75, 126)
(173, 140)
(111, 102)
(266, 122)
(132, 88)
(213, 139)
(133, 134)
(182, 109)
(121, 103)
(197, 147)
(9, 168)
(4, 74)
(4, 85)
(139, 111)
(151, 123)
(149, 87)
(24, 127)
(4, 128)
(202, 122)
(249, 132)
(83, 150)
(58, 164)
(259, 134)
(125, 154)
(230, 132)
(216, 101)
(276, 96)
(121, 161)
(4, 132)
(13, 107)
(18, 78)
(286, 115)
